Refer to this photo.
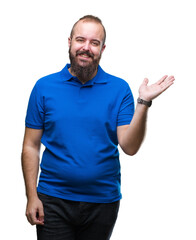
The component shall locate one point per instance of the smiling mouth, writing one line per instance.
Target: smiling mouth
(84, 54)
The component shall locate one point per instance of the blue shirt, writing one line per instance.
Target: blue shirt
(79, 122)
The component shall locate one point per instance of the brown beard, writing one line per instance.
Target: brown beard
(83, 73)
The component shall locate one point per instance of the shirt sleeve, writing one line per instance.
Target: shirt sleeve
(127, 108)
(35, 110)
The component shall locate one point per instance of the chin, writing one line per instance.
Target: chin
(84, 63)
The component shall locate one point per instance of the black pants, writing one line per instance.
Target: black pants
(70, 220)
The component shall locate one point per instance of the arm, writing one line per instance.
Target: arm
(130, 137)
(30, 167)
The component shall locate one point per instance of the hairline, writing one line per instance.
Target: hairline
(89, 19)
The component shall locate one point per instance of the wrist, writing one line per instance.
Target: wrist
(145, 98)
(31, 194)
(144, 101)
(141, 109)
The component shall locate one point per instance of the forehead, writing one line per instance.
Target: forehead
(89, 30)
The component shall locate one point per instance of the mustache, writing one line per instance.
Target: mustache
(85, 52)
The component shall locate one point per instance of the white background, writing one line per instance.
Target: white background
(144, 39)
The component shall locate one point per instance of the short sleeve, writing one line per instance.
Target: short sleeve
(35, 110)
(127, 108)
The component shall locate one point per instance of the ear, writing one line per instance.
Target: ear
(103, 48)
(69, 42)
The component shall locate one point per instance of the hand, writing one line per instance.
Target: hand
(149, 93)
(35, 211)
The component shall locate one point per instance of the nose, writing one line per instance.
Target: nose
(86, 46)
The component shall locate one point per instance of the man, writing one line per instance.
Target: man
(81, 114)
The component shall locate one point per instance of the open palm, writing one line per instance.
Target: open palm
(150, 92)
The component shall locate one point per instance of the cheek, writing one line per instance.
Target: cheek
(74, 48)
(96, 52)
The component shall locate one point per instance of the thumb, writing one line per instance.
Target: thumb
(145, 82)
(40, 214)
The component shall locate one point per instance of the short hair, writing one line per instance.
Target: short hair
(90, 18)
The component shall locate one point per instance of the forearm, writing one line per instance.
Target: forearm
(131, 136)
(30, 167)
(134, 134)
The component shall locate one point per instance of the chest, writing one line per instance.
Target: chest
(88, 105)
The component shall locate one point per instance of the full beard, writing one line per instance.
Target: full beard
(83, 73)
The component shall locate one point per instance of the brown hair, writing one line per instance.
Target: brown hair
(90, 18)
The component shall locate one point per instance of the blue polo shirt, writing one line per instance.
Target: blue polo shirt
(79, 122)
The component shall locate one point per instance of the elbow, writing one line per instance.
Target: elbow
(131, 151)
(130, 148)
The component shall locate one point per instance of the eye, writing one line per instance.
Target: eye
(95, 43)
(80, 40)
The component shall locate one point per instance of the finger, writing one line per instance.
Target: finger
(162, 79)
(171, 78)
(33, 219)
(40, 216)
(167, 84)
(36, 220)
(168, 81)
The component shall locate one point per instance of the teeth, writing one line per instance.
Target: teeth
(83, 55)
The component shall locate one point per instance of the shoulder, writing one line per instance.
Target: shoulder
(49, 79)
(116, 82)
(111, 79)
(46, 84)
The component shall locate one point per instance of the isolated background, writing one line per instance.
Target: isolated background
(144, 39)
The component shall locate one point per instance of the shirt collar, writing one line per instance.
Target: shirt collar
(100, 77)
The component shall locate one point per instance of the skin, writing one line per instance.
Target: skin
(30, 166)
(87, 36)
(131, 136)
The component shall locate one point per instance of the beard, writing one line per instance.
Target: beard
(86, 72)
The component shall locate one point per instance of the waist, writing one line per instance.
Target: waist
(91, 180)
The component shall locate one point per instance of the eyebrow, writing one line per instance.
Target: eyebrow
(94, 40)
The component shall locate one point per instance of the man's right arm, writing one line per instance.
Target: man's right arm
(30, 167)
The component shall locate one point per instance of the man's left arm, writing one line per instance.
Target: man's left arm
(130, 137)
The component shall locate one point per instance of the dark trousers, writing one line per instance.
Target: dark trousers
(71, 220)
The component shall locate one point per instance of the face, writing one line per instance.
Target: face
(86, 46)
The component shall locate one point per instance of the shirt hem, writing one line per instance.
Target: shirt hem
(33, 126)
(124, 123)
(80, 198)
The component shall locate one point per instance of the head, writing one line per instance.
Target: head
(86, 45)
